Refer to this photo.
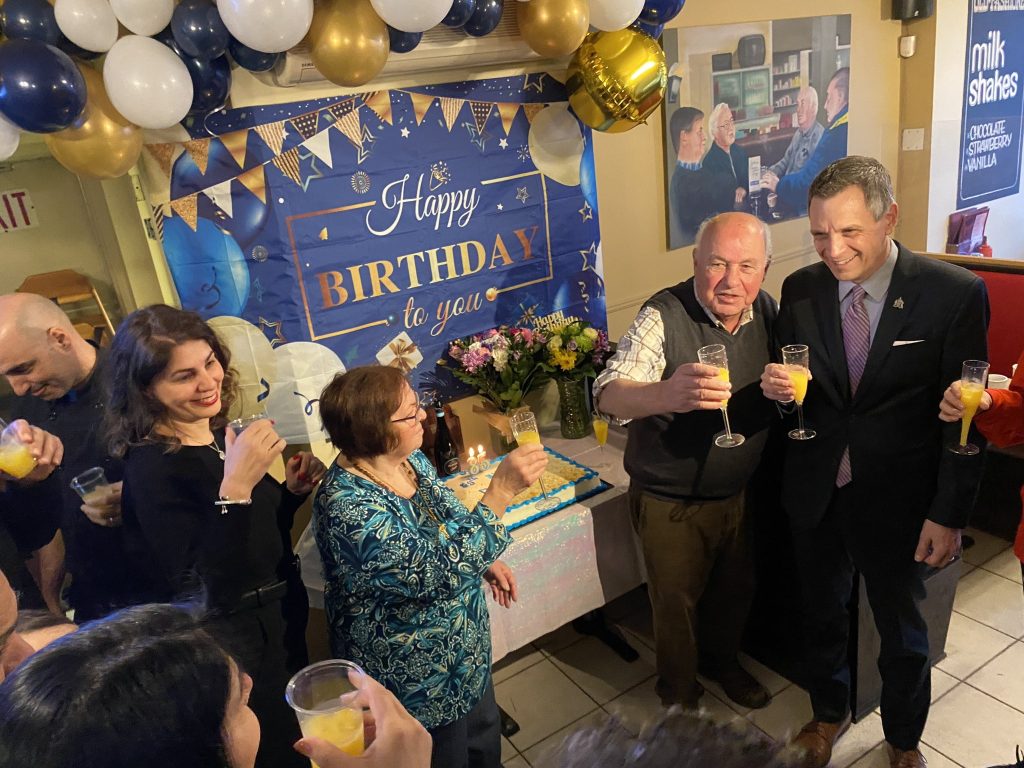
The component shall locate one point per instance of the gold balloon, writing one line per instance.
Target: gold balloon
(348, 42)
(553, 27)
(616, 79)
(100, 144)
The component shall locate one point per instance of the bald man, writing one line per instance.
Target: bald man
(51, 369)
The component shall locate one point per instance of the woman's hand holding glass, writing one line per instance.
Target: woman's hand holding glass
(302, 472)
(247, 457)
(520, 469)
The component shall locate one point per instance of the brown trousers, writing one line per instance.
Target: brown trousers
(700, 579)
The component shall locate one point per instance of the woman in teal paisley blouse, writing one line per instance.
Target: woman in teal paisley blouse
(404, 562)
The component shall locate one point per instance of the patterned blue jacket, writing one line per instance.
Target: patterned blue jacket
(403, 594)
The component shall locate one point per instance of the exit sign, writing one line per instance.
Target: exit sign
(16, 211)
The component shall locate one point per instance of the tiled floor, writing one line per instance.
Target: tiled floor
(565, 680)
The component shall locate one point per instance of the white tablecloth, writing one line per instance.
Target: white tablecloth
(568, 563)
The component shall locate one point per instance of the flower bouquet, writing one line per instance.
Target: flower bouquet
(573, 353)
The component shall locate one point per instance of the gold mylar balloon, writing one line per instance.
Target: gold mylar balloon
(616, 79)
(100, 144)
(553, 27)
(348, 42)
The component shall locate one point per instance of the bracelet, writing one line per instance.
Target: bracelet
(224, 501)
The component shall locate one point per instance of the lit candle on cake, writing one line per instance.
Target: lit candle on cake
(481, 458)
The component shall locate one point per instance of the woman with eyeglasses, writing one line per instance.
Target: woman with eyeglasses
(201, 514)
(404, 562)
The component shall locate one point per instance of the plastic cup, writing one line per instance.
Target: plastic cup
(238, 426)
(321, 695)
(998, 381)
(92, 485)
(15, 459)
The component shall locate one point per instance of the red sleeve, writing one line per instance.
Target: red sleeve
(1003, 423)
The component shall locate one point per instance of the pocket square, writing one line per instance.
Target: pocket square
(904, 342)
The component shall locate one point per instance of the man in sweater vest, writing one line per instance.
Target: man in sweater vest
(686, 494)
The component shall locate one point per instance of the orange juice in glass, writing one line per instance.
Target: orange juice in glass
(972, 385)
(715, 355)
(796, 359)
(322, 696)
(15, 459)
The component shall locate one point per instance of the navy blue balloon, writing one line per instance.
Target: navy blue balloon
(651, 30)
(211, 83)
(198, 29)
(41, 89)
(252, 60)
(208, 268)
(403, 42)
(460, 13)
(485, 18)
(29, 20)
(248, 215)
(660, 11)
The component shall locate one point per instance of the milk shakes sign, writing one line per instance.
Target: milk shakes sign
(990, 145)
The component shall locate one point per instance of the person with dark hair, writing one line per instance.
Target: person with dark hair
(150, 686)
(1000, 418)
(403, 561)
(694, 194)
(678, 739)
(201, 514)
(792, 188)
(53, 372)
(875, 492)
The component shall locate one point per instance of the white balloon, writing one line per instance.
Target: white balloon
(270, 26)
(10, 137)
(612, 15)
(89, 24)
(147, 82)
(556, 144)
(412, 15)
(143, 17)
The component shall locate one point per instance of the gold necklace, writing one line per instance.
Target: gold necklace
(414, 499)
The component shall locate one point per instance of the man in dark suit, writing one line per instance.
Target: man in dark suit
(876, 491)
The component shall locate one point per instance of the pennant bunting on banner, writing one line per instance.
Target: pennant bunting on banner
(508, 112)
(164, 156)
(450, 109)
(220, 194)
(342, 108)
(380, 103)
(288, 164)
(235, 143)
(306, 124)
(273, 135)
(188, 209)
(255, 180)
(348, 124)
(481, 111)
(157, 217)
(320, 145)
(532, 109)
(420, 104)
(199, 149)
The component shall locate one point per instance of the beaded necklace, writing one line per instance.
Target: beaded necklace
(416, 499)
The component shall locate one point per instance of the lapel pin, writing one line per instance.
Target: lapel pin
(898, 304)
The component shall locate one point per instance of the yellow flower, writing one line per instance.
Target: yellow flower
(564, 359)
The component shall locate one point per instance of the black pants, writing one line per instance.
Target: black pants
(256, 638)
(828, 557)
(473, 741)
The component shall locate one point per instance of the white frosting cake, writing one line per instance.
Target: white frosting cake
(565, 481)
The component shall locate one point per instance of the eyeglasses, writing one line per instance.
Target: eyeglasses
(422, 403)
(747, 269)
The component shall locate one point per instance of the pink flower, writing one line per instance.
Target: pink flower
(474, 359)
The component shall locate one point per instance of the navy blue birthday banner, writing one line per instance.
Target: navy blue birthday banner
(990, 142)
(382, 225)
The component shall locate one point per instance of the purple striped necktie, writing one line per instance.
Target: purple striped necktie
(857, 341)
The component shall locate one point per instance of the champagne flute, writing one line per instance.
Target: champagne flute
(795, 359)
(524, 429)
(972, 386)
(601, 435)
(714, 355)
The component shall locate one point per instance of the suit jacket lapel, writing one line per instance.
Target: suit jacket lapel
(899, 302)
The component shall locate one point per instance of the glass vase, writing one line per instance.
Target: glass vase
(574, 413)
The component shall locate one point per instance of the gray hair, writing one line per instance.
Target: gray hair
(716, 115)
(716, 219)
(678, 739)
(812, 94)
(865, 173)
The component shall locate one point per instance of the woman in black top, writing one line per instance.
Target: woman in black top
(199, 510)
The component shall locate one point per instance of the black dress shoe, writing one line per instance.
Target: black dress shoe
(739, 685)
